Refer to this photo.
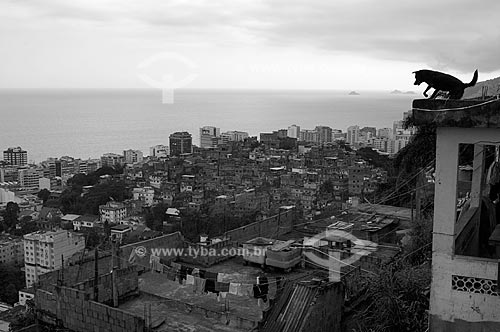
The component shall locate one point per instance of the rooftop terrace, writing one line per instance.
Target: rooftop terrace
(188, 310)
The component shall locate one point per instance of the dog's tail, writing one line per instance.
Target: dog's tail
(473, 82)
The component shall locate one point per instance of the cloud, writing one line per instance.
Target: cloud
(457, 35)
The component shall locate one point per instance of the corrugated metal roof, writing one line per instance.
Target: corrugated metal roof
(289, 313)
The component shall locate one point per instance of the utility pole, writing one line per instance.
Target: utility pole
(96, 275)
(278, 227)
(224, 218)
(113, 275)
(150, 320)
(411, 205)
(218, 164)
(62, 270)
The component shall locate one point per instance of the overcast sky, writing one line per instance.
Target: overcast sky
(280, 44)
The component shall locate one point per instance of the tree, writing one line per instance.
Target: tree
(155, 216)
(398, 299)
(12, 279)
(420, 152)
(92, 238)
(375, 159)
(24, 318)
(11, 214)
(44, 195)
(107, 229)
(73, 202)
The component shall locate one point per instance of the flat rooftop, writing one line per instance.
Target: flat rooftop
(468, 113)
(387, 210)
(175, 318)
(167, 297)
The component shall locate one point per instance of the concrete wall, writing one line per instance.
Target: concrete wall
(69, 308)
(217, 252)
(174, 240)
(270, 227)
(449, 305)
(74, 274)
(126, 284)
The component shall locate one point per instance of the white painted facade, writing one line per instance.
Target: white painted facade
(448, 304)
(44, 251)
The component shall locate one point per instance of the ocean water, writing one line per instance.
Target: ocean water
(88, 123)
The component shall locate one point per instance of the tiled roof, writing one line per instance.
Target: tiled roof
(46, 211)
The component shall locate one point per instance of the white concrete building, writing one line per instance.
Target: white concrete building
(384, 133)
(133, 156)
(8, 196)
(159, 151)
(45, 251)
(208, 136)
(24, 295)
(44, 183)
(353, 135)
(29, 178)
(11, 250)
(308, 135)
(145, 194)
(235, 136)
(113, 212)
(293, 131)
(465, 241)
(111, 159)
(86, 221)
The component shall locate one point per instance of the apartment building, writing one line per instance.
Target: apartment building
(307, 135)
(235, 136)
(294, 131)
(353, 135)
(112, 159)
(15, 156)
(159, 151)
(29, 178)
(360, 175)
(208, 136)
(113, 212)
(145, 195)
(180, 143)
(11, 250)
(324, 134)
(45, 251)
(132, 156)
(384, 133)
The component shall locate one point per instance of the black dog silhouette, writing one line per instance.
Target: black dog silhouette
(443, 82)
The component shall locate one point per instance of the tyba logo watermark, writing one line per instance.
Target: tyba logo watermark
(165, 64)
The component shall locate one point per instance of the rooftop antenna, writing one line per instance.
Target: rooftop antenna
(484, 92)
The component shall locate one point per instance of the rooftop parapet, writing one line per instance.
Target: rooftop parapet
(468, 113)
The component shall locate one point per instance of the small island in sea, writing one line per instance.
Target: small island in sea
(399, 92)
(353, 93)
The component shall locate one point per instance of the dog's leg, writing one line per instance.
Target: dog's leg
(434, 94)
(425, 92)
